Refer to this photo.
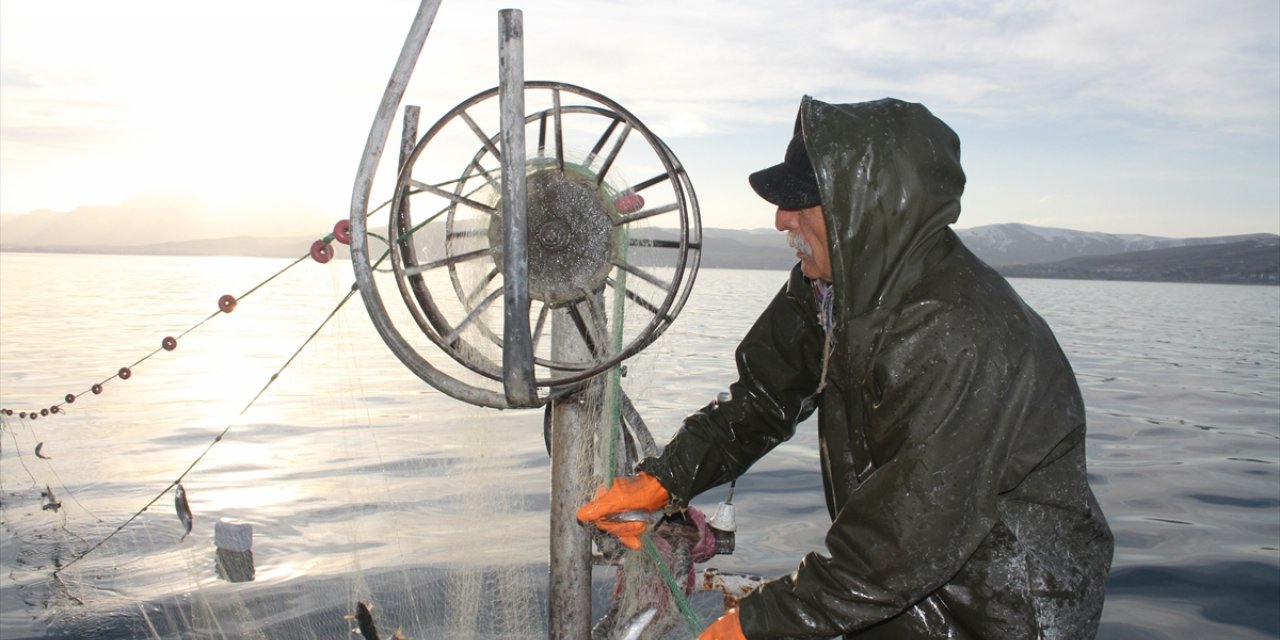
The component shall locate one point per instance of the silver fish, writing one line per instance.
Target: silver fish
(39, 446)
(54, 504)
(184, 510)
(633, 629)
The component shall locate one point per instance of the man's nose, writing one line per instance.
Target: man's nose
(784, 220)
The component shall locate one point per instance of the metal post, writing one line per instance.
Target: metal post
(517, 350)
(569, 608)
(573, 417)
(408, 140)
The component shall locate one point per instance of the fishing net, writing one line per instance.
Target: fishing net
(353, 481)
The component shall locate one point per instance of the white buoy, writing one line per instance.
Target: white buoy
(233, 535)
(233, 558)
(724, 518)
(724, 526)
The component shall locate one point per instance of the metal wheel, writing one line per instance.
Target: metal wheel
(612, 258)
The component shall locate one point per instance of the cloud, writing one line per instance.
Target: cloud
(248, 97)
(62, 122)
(1199, 63)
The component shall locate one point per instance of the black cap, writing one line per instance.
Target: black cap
(791, 184)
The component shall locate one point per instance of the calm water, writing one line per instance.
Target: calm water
(362, 482)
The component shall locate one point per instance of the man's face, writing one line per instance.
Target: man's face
(807, 234)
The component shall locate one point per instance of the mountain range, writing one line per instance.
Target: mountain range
(1021, 250)
(1018, 250)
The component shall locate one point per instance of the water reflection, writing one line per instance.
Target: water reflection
(1241, 596)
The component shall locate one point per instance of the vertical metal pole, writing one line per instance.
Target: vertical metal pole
(569, 602)
(517, 351)
(572, 420)
(408, 140)
(409, 134)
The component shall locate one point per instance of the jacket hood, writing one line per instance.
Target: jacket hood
(890, 180)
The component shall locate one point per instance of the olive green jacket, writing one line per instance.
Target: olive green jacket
(952, 429)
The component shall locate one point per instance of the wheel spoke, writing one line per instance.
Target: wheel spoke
(658, 243)
(599, 321)
(452, 338)
(646, 213)
(486, 174)
(541, 324)
(484, 137)
(604, 137)
(559, 122)
(450, 260)
(469, 233)
(662, 177)
(542, 134)
(613, 155)
(456, 198)
(635, 297)
(488, 277)
(644, 275)
(587, 325)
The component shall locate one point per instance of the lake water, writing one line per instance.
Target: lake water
(361, 482)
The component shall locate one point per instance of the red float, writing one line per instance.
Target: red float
(321, 252)
(629, 203)
(169, 343)
(227, 303)
(124, 373)
(342, 231)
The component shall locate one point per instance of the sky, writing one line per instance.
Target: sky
(1144, 116)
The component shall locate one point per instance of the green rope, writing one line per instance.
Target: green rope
(613, 400)
(613, 392)
(415, 228)
(677, 594)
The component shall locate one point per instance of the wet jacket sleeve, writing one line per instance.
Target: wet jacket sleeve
(778, 364)
(941, 408)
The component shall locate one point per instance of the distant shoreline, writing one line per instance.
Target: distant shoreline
(779, 262)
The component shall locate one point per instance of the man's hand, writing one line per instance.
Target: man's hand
(726, 627)
(642, 492)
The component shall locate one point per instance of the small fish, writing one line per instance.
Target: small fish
(39, 446)
(184, 510)
(364, 619)
(54, 504)
(638, 624)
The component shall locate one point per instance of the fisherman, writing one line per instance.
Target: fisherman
(951, 425)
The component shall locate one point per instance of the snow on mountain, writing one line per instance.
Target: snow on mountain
(1014, 243)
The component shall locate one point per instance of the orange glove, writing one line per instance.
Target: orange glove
(642, 492)
(726, 627)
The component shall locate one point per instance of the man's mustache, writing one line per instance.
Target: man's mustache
(796, 242)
